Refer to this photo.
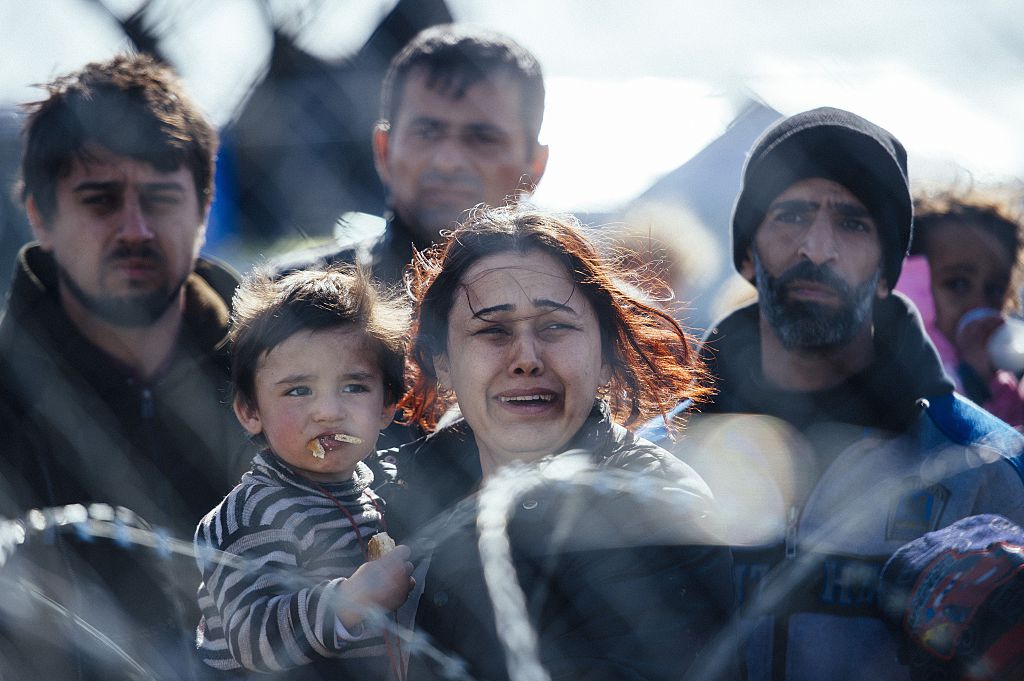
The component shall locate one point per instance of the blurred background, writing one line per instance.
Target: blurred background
(651, 104)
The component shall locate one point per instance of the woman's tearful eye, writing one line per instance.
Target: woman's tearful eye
(492, 331)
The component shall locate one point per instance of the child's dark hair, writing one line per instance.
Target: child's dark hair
(989, 210)
(267, 311)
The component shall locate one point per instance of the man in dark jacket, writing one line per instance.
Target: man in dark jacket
(461, 110)
(114, 376)
(844, 438)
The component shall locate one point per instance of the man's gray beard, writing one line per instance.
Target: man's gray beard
(803, 325)
(123, 311)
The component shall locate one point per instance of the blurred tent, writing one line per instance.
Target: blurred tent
(708, 182)
(300, 147)
(706, 187)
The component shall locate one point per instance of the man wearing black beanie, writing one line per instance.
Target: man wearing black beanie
(833, 436)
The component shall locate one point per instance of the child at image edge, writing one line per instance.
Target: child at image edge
(317, 371)
(966, 263)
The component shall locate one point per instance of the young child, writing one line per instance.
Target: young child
(317, 370)
(965, 286)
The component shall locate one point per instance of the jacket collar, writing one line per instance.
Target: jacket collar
(398, 232)
(906, 368)
(34, 308)
(453, 450)
(269, 465)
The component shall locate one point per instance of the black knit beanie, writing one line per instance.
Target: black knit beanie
(835, 145)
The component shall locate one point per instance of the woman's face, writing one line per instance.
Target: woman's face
(969, 269)
(524, 356)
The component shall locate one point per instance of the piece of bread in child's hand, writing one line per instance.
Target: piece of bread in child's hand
(379, 545)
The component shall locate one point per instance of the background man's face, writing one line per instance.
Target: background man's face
(443, 156)
(817, 260)
(125, 236)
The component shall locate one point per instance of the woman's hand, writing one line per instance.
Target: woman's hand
(384, 583)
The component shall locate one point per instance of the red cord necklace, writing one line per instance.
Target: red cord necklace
(395, 653)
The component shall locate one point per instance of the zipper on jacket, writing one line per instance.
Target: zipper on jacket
(780, 626)
(148, 409)
(792, 516)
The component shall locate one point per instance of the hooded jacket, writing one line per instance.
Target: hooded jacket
(820, 488)
(885, 395)
(79, 428)
(617, 585)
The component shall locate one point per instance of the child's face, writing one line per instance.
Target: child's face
(314, 386)
(969, 269)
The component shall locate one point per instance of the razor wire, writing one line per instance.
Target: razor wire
(491, 512)
(126, 529)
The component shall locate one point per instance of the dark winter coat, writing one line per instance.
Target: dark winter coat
(618, 585)
(386, 254)
(79, 428)
(821, 494)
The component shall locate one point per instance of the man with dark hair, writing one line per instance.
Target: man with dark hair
(461, 110)
(114, 372)
(867, 446)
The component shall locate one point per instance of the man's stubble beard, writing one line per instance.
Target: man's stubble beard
(125, 311)
(810, 326)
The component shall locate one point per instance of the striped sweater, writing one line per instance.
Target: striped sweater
(277, 612)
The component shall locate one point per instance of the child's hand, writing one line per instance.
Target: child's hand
(383, 583)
